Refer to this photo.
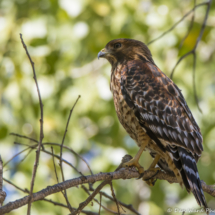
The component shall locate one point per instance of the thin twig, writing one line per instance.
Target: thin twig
(41, 127)
(16, 156)
(2, 193)
(90, 198)
(125, 159)
(54, 165)
(17, 187)
(67, 124)
(57, 156)
(100, 202)
(71, 150)
(198, 39)
(65, 206)
(53, 144)
(193, 52)
(55, 203)
(23, 136)
(177, 23)
(107, 209)
(65, 161)
(26, 155)
(190, 27)
(130, 206)
(63, 192)
(194, 83)
(114, 196)
(61, 151)
(23, 144)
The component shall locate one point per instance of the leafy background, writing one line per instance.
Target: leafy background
(63, 38)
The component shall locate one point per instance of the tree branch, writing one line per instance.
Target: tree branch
(124, 173)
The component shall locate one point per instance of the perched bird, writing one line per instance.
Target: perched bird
(154, 113)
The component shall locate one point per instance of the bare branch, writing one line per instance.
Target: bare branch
(100, 204)
(17, 187)
(114, 196)
(53, 144)
(2, 193)
(64, 193)
(71, 150)
(124, 173)
(130, 207)
(190, 27)
(193, 52)
(177, 23)
(65, 161)
(90, 198)
(58, 157)
(107, 209)
(41, 126)
(67, 124)
(23, 136)
(194, 83)
(65, 206)
(16, 155)
(54, 165)
(197, 41)
(61, 151)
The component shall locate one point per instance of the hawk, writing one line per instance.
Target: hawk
(154, 113)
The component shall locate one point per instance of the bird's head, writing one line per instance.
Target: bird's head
(122, 50)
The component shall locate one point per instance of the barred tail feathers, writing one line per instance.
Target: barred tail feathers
(190, 176)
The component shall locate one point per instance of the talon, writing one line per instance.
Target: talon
(152, 176)
(154, 181)
(134, 162)
(141, 175)
(151, 181)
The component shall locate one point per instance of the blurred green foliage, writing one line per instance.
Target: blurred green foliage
(63, 38)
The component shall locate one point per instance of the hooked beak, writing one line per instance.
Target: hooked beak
(102, 53)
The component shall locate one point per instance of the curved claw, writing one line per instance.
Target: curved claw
(141, 175)
(152, 176)
(151, 181)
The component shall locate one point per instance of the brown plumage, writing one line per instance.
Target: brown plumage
(149, 104)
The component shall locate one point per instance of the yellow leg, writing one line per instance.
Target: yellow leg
(151, 181)
(155, 161)
(135, 161)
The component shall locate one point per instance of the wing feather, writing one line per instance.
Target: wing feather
(160, 105)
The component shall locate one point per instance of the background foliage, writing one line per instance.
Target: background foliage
(63, 38)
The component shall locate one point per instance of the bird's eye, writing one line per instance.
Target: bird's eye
(117, 45)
